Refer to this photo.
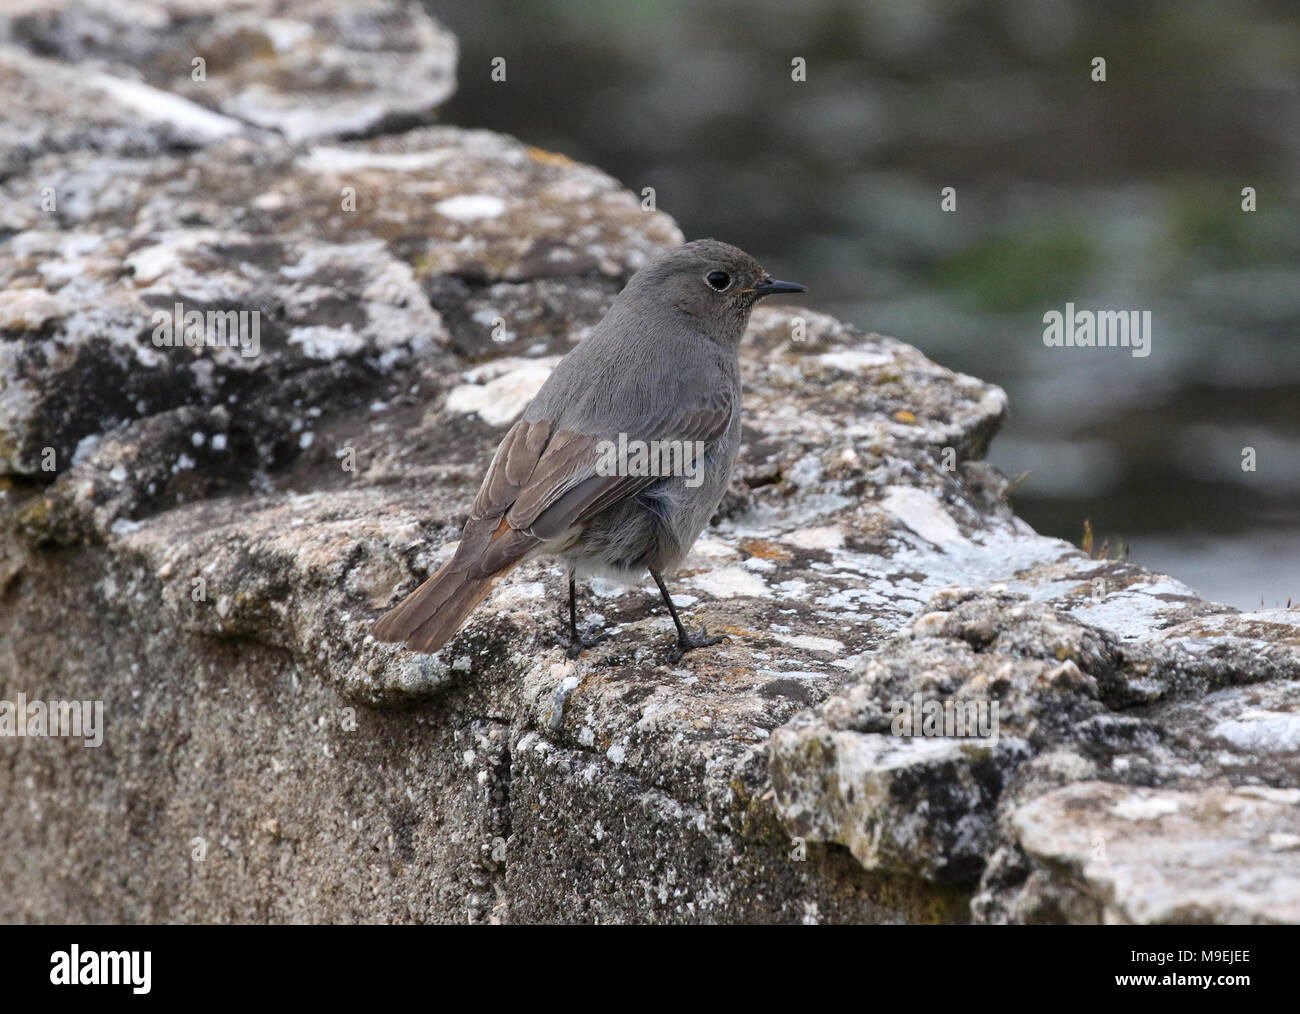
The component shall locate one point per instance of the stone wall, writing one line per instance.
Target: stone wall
(201, 539)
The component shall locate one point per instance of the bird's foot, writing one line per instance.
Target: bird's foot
(692, 641)
(577, 643)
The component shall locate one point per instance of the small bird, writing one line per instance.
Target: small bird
(661, 370)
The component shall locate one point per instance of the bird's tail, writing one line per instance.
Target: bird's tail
(428, 618)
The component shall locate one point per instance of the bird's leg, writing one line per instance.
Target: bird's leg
(573, 609)
(685, 642)
(578, 642)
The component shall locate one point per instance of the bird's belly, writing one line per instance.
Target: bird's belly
(653, 531)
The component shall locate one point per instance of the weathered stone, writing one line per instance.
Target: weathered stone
(341, 296)
(1217, 854)
(944, 807)
(191, 71)
(202, 539)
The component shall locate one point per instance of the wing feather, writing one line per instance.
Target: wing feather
(543, 482)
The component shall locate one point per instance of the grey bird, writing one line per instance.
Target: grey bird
(663, 365)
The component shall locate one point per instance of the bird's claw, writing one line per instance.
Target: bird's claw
(691, 642)
(593, 636)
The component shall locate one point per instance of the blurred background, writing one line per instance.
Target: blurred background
(1117, 195)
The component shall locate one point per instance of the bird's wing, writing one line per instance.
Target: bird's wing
(543, 481)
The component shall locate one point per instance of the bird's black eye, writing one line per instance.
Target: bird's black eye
(718, 280)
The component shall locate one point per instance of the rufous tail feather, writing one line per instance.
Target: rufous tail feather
(430, 616)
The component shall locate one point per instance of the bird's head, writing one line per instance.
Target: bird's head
(712, 282)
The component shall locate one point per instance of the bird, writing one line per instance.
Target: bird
(663, 365)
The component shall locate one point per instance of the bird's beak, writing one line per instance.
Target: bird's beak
(770, 287)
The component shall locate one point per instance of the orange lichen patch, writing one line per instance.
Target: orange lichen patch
(904, 416)
(764, 549)
(544, 157)
(730, 674)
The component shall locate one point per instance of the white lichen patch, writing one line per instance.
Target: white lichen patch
(731, 582)
(1262, 731)
(810, 642)
(500, 401)
(152, 104)
(855, 360)
(470, 207)
(816, 537)
(923, 514)
(1145, 807)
